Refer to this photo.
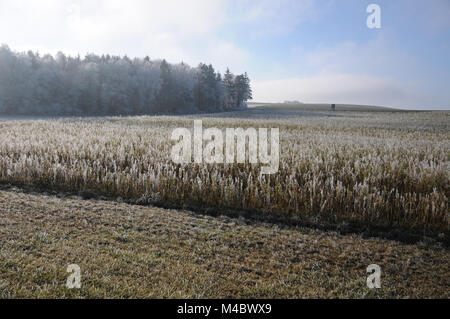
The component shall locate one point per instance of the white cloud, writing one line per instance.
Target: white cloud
(168, 29)
(173, 30)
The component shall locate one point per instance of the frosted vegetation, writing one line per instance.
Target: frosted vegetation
(377, 168)
(31, 84)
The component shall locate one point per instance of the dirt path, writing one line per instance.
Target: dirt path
(134, 251)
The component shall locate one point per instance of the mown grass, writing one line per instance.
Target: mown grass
(127, 251)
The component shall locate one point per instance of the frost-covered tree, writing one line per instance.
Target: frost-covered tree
(112, 85)
(243, 91)
(230, 91)
(207, 89)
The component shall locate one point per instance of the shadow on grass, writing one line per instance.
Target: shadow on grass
(341, 226)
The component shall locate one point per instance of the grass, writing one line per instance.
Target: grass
(127, 251)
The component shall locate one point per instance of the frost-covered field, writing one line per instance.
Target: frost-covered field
(380, 168)
(131, 251)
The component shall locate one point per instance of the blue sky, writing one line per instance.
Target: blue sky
(312, 51)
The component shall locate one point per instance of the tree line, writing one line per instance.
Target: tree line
(31, 84)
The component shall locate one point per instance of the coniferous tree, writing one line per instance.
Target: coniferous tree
(230, 91)
(112, 85)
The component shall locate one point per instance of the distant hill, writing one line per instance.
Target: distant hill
(320, 107)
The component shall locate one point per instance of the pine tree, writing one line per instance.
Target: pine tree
(230, 90)
(248, 89)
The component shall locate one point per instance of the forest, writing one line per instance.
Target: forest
(31, 84)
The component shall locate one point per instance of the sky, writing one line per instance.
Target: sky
(311, 51)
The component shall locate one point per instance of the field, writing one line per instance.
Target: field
(352, 176)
